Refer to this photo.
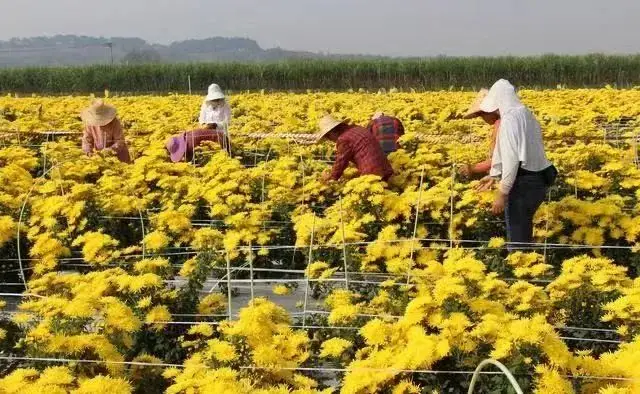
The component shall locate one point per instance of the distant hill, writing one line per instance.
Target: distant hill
(83, 50)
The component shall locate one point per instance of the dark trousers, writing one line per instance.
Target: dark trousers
(528, 192)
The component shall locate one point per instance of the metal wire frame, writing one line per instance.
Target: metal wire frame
(344, 244)
(22, 209)
(502, 368)
(314, 312)
(189, 251)
(311, 138)
(307, 369)
(347, 328)
(306, 312)
(303, 138)
(451, 243)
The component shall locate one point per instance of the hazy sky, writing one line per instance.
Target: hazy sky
(392, 27)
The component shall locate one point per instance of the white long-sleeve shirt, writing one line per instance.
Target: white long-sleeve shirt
(519, 139)
(220, 115)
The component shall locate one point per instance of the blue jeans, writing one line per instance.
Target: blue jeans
(526, 196)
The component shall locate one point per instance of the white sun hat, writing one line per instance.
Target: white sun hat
(489, 103)
(326, 124)
(501, 96)
(214, 93)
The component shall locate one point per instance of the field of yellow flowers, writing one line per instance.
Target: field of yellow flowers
(129, 270)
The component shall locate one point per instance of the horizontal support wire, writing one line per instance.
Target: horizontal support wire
(338, 275)
(284, 223)
(333, 279)
(592, 340)
(68, 360)
(372, 316)
(212, 315)
(520, 245)
(280, 247)
(302, 369)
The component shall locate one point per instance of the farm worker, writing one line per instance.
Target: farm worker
(181, 146)
(492, 119)
(387, 130)
(353, 144)
(519, 162)
(102, 130)
(215, 112)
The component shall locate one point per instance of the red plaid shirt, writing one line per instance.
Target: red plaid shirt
(387, 130)
(357, 145)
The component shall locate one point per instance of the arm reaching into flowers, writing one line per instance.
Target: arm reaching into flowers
(119, 145)
(87, 141)
(118, 136)
(227, 115)
(203, 110)
(484, 166)
(344, 154)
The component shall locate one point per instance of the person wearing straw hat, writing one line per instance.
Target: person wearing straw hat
(492, 119)
(387, 130)
(102, 130)
(182, 146)
(215, 112)
(519, 163)
(353, 144)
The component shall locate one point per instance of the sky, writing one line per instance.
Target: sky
(393, 28)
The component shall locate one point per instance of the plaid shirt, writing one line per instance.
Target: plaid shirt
(203, 135)
(387, 130)
(357, 145)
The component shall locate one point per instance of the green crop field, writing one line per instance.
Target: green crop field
(420, 74)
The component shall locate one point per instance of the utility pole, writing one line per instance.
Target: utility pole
(110, 45)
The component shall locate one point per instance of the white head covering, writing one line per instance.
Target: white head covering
(502, 96)
(519, 141)
(214, 93)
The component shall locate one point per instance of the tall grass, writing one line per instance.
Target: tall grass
(420, 74)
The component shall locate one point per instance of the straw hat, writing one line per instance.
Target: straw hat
(326, 124)
(98, 114)
(475, 109)
(214, 93)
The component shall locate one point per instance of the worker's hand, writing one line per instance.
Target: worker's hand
(485, 184)
(499, 203)
(465, 170)
(326, 176)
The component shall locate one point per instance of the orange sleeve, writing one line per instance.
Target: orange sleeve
(485, 166)
(481, 167)
(87, 141)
